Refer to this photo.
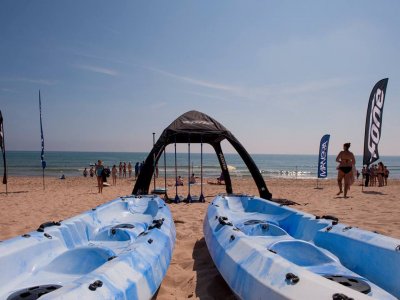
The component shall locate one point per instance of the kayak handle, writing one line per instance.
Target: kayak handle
(334, 219)
(47, 224)
(157, 223)
(224, 221)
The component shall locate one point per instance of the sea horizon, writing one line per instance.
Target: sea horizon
(72, 163)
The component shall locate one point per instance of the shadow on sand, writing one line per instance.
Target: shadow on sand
(16, 192)
(210, 284)
(374, 193)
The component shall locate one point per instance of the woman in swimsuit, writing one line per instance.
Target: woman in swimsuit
(346, 162)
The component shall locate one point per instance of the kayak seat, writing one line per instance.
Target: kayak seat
(301, 253)
(237, 204)
(139, 207)
(79, 261)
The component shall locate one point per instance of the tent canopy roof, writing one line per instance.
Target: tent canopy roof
(197, 127)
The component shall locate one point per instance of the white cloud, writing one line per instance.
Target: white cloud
(194, 81)
(97, 69)
(258, 93)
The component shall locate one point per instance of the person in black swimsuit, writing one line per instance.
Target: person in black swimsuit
(346, 162)
(345, 169)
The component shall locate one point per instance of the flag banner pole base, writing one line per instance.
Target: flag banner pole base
(318, 187)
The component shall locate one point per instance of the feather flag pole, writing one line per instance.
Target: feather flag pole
(3, 149)
(41, 132)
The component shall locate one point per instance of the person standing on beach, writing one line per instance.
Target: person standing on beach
(365, 172)
(114, 174)
(99, 174)
(130, 169)
(120, 169)
(137, 169)
(345, 169)
(380, 173)
(124, 170)
(386, 174)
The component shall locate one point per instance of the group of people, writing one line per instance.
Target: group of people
(123, 167)
(179, 180)
(347, 172)
(192, 180)
(373, 175)
(101, 172)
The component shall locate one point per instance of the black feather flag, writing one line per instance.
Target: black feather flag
(3, 149)
(373, 124)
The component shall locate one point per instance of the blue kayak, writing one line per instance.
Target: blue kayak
(265, 250)
(119, 250)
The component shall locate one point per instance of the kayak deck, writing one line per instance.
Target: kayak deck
(251, 238)
(120, 249)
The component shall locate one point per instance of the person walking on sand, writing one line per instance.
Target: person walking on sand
(345, 169)
(120, 169)
(130, 169)
(114, 172)
(99, 174)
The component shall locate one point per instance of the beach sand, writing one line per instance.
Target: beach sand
(192, 274)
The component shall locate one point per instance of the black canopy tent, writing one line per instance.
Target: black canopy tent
(198, 127)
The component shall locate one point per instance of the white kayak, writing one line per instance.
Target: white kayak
(118, 250)
(265, 250)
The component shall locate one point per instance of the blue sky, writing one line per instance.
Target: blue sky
(278, 74)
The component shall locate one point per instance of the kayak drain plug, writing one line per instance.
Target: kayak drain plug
(97, 284)
(339, 296)
(292, 279)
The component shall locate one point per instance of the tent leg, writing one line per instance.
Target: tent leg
(201, 198)
(189, 197)
(177, 199)
(165, 175)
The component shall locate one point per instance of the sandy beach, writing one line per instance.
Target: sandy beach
(192, 273)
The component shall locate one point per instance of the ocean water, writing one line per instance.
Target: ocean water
(27, 163)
